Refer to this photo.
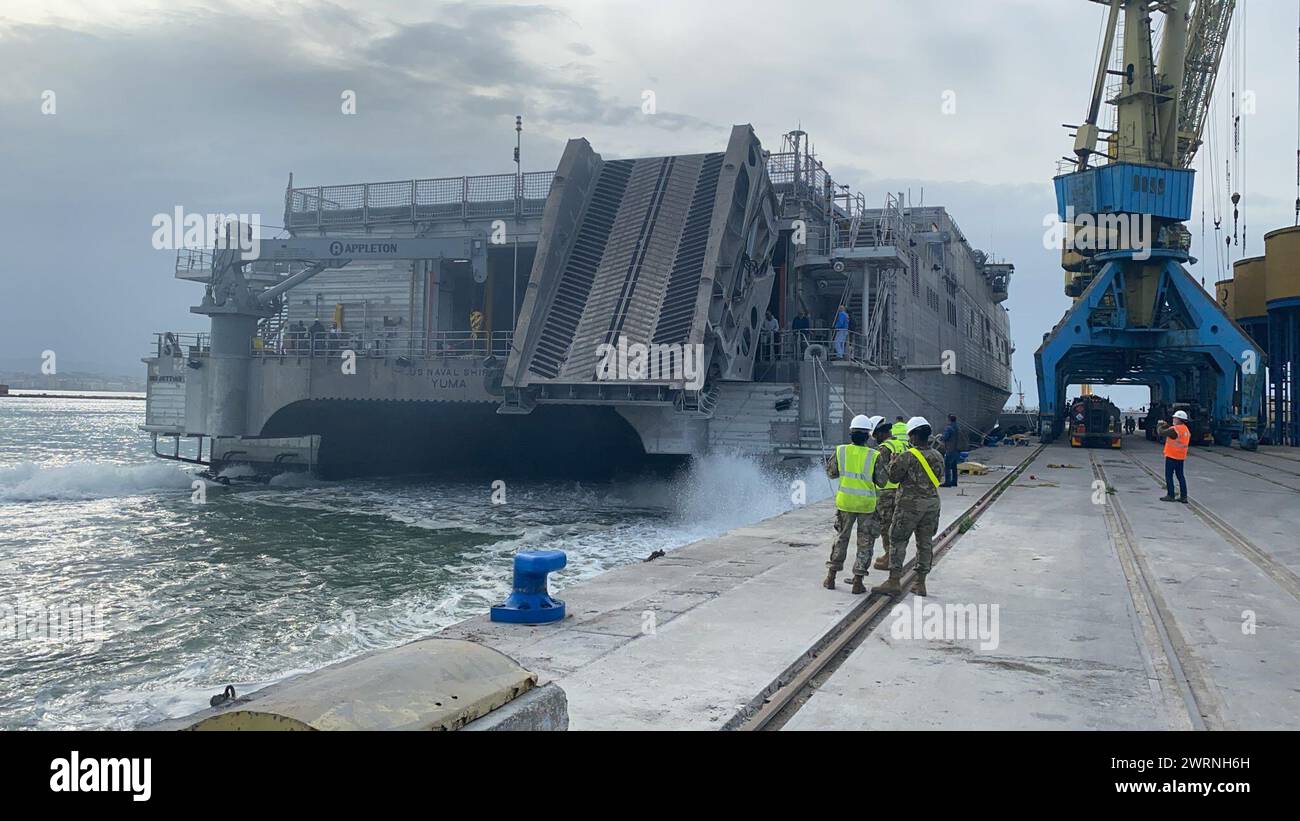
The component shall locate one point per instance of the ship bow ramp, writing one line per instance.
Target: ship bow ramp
(648, 288)
(666, 260)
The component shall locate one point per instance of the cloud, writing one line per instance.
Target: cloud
(211, 104)
(210, 108)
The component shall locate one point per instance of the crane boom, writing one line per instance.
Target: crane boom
(1207, 37)
(1162, 105)
(229, 290)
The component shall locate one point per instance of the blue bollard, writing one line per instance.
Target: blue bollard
(530, 603)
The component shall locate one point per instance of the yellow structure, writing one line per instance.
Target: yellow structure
(1223, 294)
(1248, 278)
(1282, 250)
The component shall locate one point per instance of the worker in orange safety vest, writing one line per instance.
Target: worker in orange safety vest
(1178, 437)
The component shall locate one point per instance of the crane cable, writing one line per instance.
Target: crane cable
(1201, 262)
(1211, 163)
(1236, 77)
(1230, 152)
(1245, 54)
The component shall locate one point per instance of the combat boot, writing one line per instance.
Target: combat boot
(858, 587)
(918, 586)
(829, 584)
(883, 562)
(893, 586)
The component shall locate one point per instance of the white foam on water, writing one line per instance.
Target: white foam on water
(721, 492)
(718, 493)
(294, 480)
(601, 525)
(77, 481)
(237, 472)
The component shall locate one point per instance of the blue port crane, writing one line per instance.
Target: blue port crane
(1138, 316)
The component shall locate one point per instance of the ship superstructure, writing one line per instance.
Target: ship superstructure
(467, 323)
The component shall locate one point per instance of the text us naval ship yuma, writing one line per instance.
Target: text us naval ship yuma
(457, 323)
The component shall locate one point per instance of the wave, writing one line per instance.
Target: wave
(716, 493)
(237, 472)
(79, 481)
(723, 491)
(295, 480)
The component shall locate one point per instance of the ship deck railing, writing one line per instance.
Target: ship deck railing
(195, 265)
(793, 346)
(438, 199)
(436, 345)
(801, 177)
(179, 345)
(858, 226)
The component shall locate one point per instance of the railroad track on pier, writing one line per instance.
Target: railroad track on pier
(784, 697)
(1175, 663)
(1274, 569)
(1225, 452)
(1275, 455)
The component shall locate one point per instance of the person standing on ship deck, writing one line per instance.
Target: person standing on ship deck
(772, 330)
(801, 326)
(841, 331)
(317, 337)
(475, 328)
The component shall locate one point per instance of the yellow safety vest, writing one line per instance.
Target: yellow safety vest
(896, 447)
(857, 493)
(928, 472)
(899, 431)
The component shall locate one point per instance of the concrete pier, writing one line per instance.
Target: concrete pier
(1133, 614)
(1114, 611)
(692, 640)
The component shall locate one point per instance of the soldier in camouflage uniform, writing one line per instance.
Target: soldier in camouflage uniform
(861, 474)
(916, 509)
(889, 446)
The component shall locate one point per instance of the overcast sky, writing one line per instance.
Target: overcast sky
(209, 106)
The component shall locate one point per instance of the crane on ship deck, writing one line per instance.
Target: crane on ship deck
(1138, 316)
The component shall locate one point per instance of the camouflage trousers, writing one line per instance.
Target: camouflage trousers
(919, 516)
(868, 529)
(885, 513)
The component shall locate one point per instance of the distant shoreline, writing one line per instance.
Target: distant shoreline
(104, 395)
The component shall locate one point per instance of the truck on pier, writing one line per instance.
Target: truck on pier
(1198, 421)
(1095, 422)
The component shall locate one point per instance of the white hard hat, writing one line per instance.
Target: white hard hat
(1180, 415)
(916, 422)
(875, 422)
(861, 422)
